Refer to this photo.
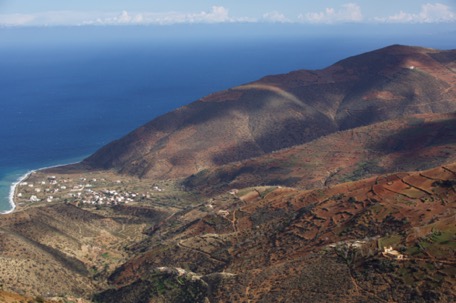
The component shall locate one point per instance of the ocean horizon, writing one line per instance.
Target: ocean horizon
(66, 92)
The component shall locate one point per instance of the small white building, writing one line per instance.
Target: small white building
(234, 191)
(389, 252)
(223, 213)
(34, 198)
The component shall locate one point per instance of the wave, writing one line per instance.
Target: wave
(22, 179)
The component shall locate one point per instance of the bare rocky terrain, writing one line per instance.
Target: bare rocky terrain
(336, 185)
(271, 244)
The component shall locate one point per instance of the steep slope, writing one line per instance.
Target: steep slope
(413, 143)
(6, 297)
(60, 249)
(270, 244)
(285, 110)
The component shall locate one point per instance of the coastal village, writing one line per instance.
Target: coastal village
(81, 190)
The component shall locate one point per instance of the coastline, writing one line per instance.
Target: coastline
(13, 187)
(12, 192)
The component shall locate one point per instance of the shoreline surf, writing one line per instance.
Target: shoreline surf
(13, 187)
(13, 192)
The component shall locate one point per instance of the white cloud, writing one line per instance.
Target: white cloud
(16, 19)
(45, 18)
(124, 18)
(349, 12)
(275, 16)
(217, 14)
(430, 13)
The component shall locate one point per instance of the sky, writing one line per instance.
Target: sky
(123, 12)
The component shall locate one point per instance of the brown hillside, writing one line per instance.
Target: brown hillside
(285, 110)
(60, 249)
(269, 244)
(413, 143)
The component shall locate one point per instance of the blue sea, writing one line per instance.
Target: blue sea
(67, 91)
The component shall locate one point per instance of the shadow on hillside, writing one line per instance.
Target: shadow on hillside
(199, 112)
(421, 145)
(285, 134)
(288, 133)
(411, 93)
(414, 143)
(258, 106)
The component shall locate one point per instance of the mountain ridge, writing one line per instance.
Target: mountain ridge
(281, 111)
